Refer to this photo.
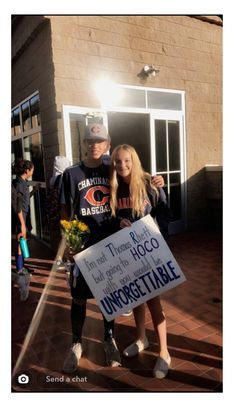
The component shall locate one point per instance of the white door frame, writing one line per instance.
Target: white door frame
(154, 114)
(172, 115)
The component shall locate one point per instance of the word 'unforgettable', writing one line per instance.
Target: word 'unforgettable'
(141, 286)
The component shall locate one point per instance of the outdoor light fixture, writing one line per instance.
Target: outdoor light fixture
(147, 71)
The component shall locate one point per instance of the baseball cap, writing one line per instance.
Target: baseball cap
(96, 131)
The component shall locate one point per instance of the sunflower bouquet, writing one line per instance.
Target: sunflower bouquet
(76, 234)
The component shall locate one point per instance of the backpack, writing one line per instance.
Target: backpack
(52, 205)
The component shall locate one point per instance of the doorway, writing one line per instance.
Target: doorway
(158, 138)
(133, 129)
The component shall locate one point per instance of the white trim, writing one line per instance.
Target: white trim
(26, 133)
(136, 87)
(167, 116)
(124, 109)
(17, 137)
(167, 158)
(26, 99)
(67, 137)
(152, 145)
(184, 145)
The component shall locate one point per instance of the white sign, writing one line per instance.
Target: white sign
(130, 267)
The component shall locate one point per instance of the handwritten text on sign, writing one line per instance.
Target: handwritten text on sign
(129, 268)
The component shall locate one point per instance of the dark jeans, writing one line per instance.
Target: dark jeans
(78, 315)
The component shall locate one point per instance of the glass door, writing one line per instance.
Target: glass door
(167, 159)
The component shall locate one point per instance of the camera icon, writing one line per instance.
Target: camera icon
(23, 379)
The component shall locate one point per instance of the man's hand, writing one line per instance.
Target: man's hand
(158, 181)
(125, 223)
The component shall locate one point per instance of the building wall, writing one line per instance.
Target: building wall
(32, 70)
(77, 50)
(188, 53)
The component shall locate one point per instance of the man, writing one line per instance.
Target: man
(85, 193)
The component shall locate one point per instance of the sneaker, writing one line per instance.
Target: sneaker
(162, 367)
(60, 265)
(23, 281)
(22, 271)
(71, 362)
(135, 348)
(128, 313)
(113, 358)
(60, 268)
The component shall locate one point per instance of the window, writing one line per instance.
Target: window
(33, 152)
(16, 150)
(161, 145)
(34, 111)
(27, 144)
(26, 120)
(144, 98)
(25, 116)
(174, 145)
(25, 124)
(168, 161)
(12, 125)
(164, 100)
(16, 126)
(132, 98)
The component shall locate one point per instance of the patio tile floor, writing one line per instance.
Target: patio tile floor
(194, 326)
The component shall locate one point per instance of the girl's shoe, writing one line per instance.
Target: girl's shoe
(162, 367)
(127, 313)
(135, 348)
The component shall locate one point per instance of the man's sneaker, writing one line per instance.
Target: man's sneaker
(71, 362)
(162, 367)
(60, 265)
(127, 313)
(136, 348)
(113, 358)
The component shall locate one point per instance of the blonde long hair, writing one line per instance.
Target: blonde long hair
(138, 182)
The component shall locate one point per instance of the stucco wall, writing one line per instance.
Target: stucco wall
(33, 70)
(188, 53)
(69, 53)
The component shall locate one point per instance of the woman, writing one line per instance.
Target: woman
(131, 197)
(23, 169)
